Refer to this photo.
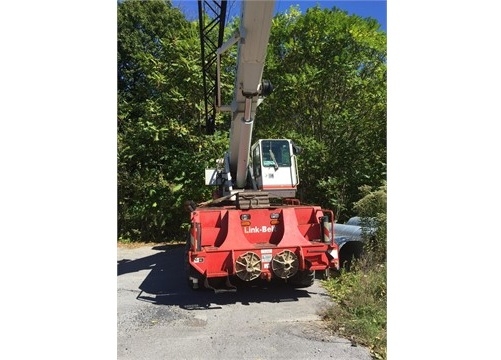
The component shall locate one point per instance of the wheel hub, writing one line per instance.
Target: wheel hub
(248, 266)
(285, 264)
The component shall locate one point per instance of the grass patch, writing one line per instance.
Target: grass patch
(360, 310)
(129, 244)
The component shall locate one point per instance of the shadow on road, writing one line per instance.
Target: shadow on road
(166, 284)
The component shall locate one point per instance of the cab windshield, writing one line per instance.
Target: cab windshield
(275, 153)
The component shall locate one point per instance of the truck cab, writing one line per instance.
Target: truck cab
(274, 167)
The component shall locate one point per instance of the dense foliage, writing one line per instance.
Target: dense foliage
(329, 73)
(360, 310)
(161, 152)
(361, 294)
(329, 70)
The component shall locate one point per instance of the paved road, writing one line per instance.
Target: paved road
(159, 317)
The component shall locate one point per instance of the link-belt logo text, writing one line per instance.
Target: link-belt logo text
(257, 229)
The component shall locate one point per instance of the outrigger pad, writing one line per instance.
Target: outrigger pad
(228, 286)
(253, 200)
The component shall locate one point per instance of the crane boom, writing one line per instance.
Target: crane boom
(268, 165)
(254, 32)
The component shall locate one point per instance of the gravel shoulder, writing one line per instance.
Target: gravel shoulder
(159, 317)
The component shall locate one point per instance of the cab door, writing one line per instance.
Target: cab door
(275, 166)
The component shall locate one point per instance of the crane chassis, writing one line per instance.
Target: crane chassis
(254, 228)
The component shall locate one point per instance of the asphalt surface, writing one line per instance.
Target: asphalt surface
(160, 317)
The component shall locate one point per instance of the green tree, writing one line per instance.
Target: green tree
(329, 73)
(160, 147)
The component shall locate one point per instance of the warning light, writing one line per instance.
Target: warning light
(244, 217)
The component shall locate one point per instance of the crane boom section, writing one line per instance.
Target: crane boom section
(255, 25)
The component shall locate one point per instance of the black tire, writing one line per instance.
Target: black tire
(302, 279)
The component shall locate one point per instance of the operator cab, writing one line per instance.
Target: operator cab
(274, 166)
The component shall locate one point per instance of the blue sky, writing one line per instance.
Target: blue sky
(365, 8)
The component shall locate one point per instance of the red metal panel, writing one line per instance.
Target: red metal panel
(224, 238)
